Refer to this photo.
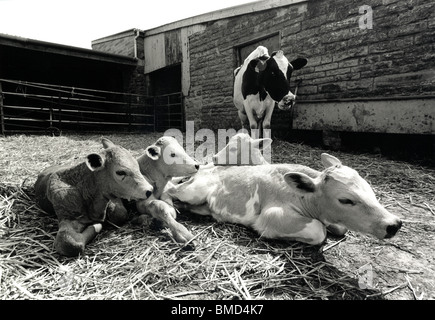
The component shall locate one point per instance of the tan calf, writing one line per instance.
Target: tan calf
(80, 194)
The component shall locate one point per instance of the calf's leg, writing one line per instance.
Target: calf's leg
(73, 236)
(277, 223)
(165, 213)
(336, 229)
(116, 212)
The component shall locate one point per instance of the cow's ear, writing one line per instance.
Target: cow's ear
(266, 143)
(298, 63)
(94, 162)
(107, 143)
(329, 161)
(300, 182)
(153, 152)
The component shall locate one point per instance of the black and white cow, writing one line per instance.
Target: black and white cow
(261, 81)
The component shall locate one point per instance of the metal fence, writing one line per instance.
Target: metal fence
(38, 107)
(169, 111)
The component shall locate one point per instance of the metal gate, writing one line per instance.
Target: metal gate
(169, 111)
(37, 107)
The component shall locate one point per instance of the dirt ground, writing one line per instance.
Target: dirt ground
(400, 268)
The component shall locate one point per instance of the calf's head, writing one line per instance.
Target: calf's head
(170, 158)
(343, 197)
(275, 74)
(117, 173)
(242, 150)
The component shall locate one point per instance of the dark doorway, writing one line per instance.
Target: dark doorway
(165, 85)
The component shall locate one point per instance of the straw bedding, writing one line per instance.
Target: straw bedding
(226, 261)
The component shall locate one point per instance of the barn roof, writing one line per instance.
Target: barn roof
(37, 45)
(229, 12)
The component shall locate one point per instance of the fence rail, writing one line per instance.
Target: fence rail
(35, 107)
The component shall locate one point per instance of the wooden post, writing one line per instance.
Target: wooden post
(2, 118)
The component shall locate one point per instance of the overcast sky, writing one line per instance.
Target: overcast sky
(78, 22)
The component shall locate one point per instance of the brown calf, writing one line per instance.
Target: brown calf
(80, 194)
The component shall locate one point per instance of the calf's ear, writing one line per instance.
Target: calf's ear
(329, 161)
(299, 63)
(94, 162)
(300, 182)
(107, 143)
(153, 152)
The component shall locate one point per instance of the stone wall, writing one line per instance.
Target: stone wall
(394, 58)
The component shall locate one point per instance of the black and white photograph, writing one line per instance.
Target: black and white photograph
(239, 152)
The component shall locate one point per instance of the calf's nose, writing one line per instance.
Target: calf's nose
(393, 228)
(197, 166)
(148, 193)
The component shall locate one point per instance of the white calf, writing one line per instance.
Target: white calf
(288, 201)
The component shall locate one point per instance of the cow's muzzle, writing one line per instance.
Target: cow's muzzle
(286, 103)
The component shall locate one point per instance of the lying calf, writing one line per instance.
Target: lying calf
(79, 195)
(242, 149)
(161, 161)
(288, 201)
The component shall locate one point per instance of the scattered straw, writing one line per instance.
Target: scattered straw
(229, 261)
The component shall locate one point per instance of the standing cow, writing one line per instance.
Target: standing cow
(261, 81)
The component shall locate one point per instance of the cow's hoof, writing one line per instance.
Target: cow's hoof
(182, 236)
(66, 245)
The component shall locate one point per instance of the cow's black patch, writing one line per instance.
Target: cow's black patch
(251, 81)
(274, 81)
(271, 80)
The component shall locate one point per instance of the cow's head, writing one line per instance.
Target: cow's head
(242, 150)
(275, 73)
(117, 173)
(344, 198)
(170, 158)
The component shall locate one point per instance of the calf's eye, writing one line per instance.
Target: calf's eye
(121, 173)
(346, 201)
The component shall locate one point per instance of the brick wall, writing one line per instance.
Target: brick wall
(396, 57)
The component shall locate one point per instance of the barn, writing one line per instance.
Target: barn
(47, 85)
(370, 71)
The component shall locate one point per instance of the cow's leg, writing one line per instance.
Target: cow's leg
(269, 111)
(243, 118)
(250, 114)
(73, 236)
(277, 223)
(165, 213)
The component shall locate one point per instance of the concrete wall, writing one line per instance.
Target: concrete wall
(394, 58)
